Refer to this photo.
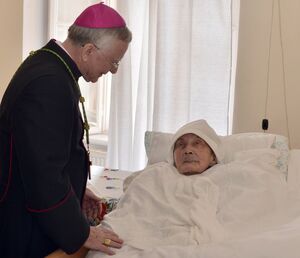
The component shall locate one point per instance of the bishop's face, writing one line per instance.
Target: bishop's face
(99, 60)
(192, 155)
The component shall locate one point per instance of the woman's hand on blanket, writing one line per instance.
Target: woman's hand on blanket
(102, 239)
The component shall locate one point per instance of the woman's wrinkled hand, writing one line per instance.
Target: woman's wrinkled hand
(93, 208)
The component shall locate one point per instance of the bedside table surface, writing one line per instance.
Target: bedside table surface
(107, 183)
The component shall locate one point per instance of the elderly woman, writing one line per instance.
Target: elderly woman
(195, 148)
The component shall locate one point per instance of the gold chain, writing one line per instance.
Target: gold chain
(81, 99)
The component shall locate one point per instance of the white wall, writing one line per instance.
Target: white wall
(11, 16)
(35, 29)
(251, 101)
(19, 38)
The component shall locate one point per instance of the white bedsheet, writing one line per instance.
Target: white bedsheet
(241, 209)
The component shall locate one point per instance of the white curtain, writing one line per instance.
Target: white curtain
(177, 69)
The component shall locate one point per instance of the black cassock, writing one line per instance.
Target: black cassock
(43, 162)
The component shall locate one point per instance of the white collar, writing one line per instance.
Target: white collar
(61, 45)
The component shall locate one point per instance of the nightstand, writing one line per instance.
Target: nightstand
(106, 183)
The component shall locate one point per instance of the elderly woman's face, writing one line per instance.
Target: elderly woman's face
(192, 155)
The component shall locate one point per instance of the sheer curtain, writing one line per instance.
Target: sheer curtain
(177, 69)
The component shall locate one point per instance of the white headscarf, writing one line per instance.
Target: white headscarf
(204, 131)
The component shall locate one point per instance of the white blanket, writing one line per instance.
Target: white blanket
(235, 210)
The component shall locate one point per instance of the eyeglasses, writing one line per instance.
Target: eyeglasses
(115, 64)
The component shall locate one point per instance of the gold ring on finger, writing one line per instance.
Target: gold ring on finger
(106, 241)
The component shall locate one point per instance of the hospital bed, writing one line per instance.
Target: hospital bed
(285, 238)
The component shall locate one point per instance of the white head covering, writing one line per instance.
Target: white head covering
(204, 131)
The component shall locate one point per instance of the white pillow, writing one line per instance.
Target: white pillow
(268, 155)
(157, 146)
(234, 143)
(281, 143)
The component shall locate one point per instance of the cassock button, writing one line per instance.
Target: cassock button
(86, 126)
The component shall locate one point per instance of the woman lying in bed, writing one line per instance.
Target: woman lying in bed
(163, 207)
(192, 154)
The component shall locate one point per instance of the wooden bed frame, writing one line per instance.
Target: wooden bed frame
(81, 253)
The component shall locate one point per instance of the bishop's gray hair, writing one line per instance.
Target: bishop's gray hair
(81, 36)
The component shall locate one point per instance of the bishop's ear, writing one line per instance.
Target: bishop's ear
(87, 50)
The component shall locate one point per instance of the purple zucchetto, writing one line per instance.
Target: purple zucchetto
(100, 16)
